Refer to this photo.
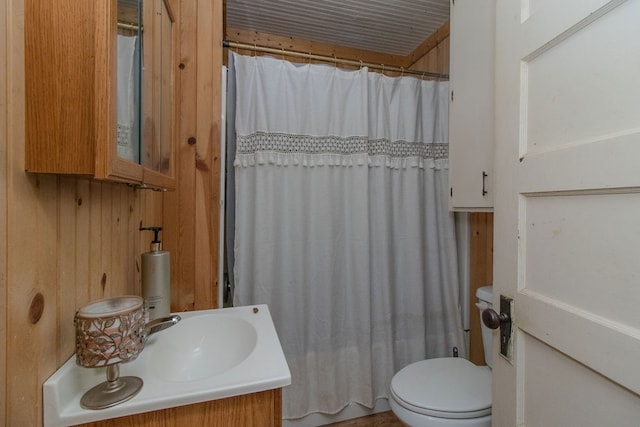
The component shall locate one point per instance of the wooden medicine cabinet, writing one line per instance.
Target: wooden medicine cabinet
(99, 79)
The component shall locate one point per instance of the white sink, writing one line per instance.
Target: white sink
(184, 352)
(208, 355)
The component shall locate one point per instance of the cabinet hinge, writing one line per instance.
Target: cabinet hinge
(451, 191)
(452, 95)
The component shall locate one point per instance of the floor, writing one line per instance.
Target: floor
(383, 419)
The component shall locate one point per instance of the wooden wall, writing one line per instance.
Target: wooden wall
(4, 137)
(66, 241)
(193, 210)
(480, 274)
(436, 53)
(63, 242)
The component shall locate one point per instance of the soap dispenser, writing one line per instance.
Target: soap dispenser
(156, 290)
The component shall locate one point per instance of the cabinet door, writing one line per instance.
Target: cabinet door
(129, 79)
(263, 409)
(83, 90)
(471, 109)
(67, 98)
(120, 92)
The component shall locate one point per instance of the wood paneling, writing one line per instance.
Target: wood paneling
(207, 156)
(308, 46)
(480, 274)
(194, 206)
(63, 240)
(257, 409)
(72, 240)
(71, 243)
(5, 135)
(184, 261)
(432, 55)
(426, 48)
(437, 59)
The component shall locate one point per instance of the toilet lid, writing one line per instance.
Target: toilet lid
(450, 387)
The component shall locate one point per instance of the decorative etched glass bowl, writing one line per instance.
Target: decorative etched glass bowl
(108, 332)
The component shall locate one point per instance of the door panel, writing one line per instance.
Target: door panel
(561, 392)
(567, 227)
(565, 102)
(583, 244)
(609, 163)
(607, 347)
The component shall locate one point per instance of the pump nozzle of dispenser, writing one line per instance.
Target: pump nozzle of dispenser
(156, 244)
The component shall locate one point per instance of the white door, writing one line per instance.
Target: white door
(567, 211)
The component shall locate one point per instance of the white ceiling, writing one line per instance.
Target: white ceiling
(389, 26)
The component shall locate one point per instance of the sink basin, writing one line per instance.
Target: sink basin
(185, 351)
(208, 355)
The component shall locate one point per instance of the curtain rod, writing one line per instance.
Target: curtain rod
(127, 26)
(332, 59)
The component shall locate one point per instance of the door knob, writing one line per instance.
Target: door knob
(493, 320)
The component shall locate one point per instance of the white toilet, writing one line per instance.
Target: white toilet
(448, 391)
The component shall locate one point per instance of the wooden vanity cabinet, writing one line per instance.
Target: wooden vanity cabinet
(71, 94)
(262, 409)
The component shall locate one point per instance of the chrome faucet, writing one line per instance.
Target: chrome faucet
(160, 324)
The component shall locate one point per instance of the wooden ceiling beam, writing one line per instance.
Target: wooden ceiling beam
(308, 46)
(318, 48)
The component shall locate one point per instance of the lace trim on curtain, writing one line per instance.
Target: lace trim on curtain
(285, 149)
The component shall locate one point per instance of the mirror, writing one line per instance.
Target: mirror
(129, 51)
(145, 83)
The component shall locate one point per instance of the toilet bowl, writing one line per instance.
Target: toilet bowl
(448, 391)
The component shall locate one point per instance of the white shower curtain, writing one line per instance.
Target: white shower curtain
(342, 225)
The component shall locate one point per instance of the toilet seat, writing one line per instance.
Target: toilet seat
(450, 387)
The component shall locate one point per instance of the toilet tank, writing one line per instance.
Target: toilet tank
(485, 300)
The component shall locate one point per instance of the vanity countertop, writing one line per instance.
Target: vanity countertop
(236, 351)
